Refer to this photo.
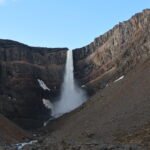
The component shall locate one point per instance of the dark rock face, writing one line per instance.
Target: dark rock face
(114, 53)
(20, 93)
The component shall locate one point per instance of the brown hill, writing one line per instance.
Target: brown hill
(119, 114)
(11, 133)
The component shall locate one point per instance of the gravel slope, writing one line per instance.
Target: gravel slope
(10, 132)
(119, 114)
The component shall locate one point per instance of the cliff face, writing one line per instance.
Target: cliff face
(114, 53)
(20, 92)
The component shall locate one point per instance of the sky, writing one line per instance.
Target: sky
(63, 23)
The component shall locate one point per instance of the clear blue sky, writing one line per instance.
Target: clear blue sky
(63, 23)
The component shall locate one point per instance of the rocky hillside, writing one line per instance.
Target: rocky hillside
(11, 133)
(115, 118)
(29, 76)
(114, 53)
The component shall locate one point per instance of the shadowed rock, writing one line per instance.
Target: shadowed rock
(20, 93)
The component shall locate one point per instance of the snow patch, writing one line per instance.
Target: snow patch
(119, 79)
(43, 85)
(83, 86)
(45, 123)
(11, 98)
(107, 85)
(47, 103)
(21, 145)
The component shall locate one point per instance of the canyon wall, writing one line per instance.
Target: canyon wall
(114, 53)
(20, 92)
(22, 67)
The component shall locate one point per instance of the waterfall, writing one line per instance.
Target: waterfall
(72, 96)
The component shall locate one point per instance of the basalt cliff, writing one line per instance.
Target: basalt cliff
(115, 53)
(21, 66)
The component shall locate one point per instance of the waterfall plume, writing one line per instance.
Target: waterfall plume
(72, 96)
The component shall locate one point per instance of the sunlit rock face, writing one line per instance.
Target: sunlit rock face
(72, 96)
(114, 53)
(27, 76)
